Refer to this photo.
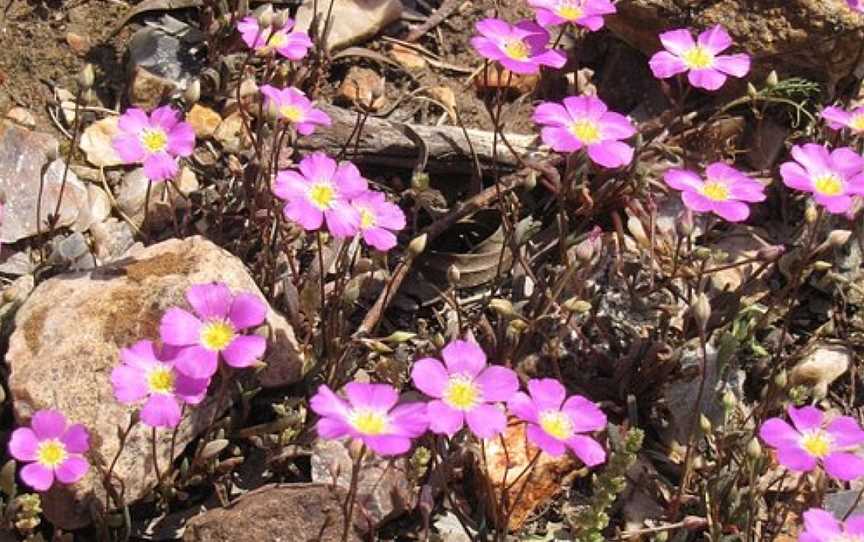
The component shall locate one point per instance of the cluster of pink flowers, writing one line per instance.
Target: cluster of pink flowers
(293, 45)
(323, 192)
(464, 390)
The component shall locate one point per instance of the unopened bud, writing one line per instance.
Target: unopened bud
(701, 310)
(281, 18)
(417, 245)
(193, 92)
(838, 238)
(529, 182)
(438, 340)
(811, 214)
(729, 401)
(271, 111)
(822, 265)
(453, 275)
(576, 305)
(771, 253)
(503, 308)
(242, 8)
(751, 90)
(754, 449)
(264, 16)
(86, 77)
(585, 251)
(704, 424)
(420, 181)
(781, 380)
(248, 88)
(772, 80)
(684, 224)
(399, 337)
(702, 253)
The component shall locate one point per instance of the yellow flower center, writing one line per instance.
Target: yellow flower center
(570, 12)
(322, 194)
(461, 393)
(368, 422)
(154, 140)
(277, 40)
(291, 113)
(51, 453)
(816, 443)
(367, 219)
(698, 58)
(715, 190)
(517, 50)
(556, 424)
(161, 380)
(857, 122)
(585, 131)
(216, 335)
(828, 184)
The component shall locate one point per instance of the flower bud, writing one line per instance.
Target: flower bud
(453, 275)
(701, 310)
(193, 92)
(772, 80)
(86, 77)
(417, 245)
(781, 380)
(838, 238)
(576, 305)
(754, 449)
(503, 307)
(822, 265)
(399, 337)
(729, 401)
(751, 90)
(811, 214)
(529, 181)
(704, 424)
(771, 253)
(585, 251)
(684, 224)
(264, 16)
(248, 88)
(281, 18)
(702, 253)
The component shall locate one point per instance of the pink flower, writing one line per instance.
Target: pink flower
(148, 373)
(155, 141)
(822, 526)
(857, 5)
(837, 119)
(584, 121)
(52, 450)
(520, 48)
(295, 108)
(723, 192)
(555, 421)
(464, 390)
(371, 416)
(321, 191)
(815, 440)
(708, 68)
(291, 45)
(587, 13)
(378, 219)
(214, 329)
(832, 177)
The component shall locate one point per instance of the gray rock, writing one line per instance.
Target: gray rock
(354, 21)
(169, 49)
(26, 159)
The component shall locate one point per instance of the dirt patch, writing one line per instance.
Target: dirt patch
(159, 266)
(33, 328)
(129, 317)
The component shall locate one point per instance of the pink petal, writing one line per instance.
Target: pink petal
(342, 219)
(181, 140)
(376, 396)
(677, 41)
(348, 180)
(611, 154)
(518, 66)
(547, 393)
(289, 185)
(244, 351)
(855, 525)
(497, 383)
(585, 415)
(682, 179)
(495, 28)
(805, 418)
(733, 211)
(464, 357)
(665, 65)
(585, 107)
(190, 390)
(592, 23)
(387, 444)
(795, 177)
(715, 39)
(552, 58)
(247, 310)
(164, 117)
(836, 118)
(616, 126)
(547, 18)
(553, 114)
(560, 139)
(845, 431)
(390, 216)
(486, 421)
(379, 238)
(814, 158)
(587, 450)
(179, 327)
(72, 470)
(210, 301)
(709, 79)
(140, 355)
(545, 442)
(734, 65)
(821, 524)
(697, 202)
(521, 406)
(332, 428)
(847, 161)
(129, 383)
(409, 419)
(443, 419)
(796, 459)
(328, 404)
(133, 122)
(23, 445)
(48, 424)
(487, 48)
(197, 362)
(161, 410)
(779, 434)
(834, 204)
(128, 148)
(430, 377)
(301, 211)
(37, 476)
(844, 466)
(160, 166)
(317, 166)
